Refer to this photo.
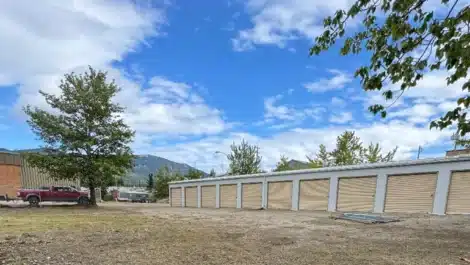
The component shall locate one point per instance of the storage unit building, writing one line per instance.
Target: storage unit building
(435, 185)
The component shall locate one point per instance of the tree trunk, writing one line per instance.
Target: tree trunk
(92, 201)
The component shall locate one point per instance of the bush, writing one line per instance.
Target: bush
(108, 198)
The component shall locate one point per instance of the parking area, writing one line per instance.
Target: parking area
(123, 233)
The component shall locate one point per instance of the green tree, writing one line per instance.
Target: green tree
(373, 154)
(244, 159)
(283, 164)
(350, 151)
(193, 174)
(120, 181)
(212, 173)
(162, 178)
(150, 182)
(323, 158)
(83, 136)
(405, 40)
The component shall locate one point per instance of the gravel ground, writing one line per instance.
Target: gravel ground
(157, 234)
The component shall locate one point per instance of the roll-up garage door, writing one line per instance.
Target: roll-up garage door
(280, 195)
(251, 196)
(410, 193)
(228, 196)
(356, 194)
(314, 194)
(208, 196)
(175, 197)
(190, 196)
(459, 193)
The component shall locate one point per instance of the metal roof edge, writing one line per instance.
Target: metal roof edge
(336, 168)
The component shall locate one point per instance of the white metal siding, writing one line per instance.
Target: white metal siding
(356, 194)
(280, 195)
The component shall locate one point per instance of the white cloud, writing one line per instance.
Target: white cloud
(297, 143)
(419, 113)
(275, 111)
(341, 118)
(43, 40)
(277, 21)
(173, 108)
(95, 33)
(336, 101)
(338, 81)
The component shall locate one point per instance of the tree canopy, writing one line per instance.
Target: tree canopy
(405, 39)
(349, 150)
(84, 137)
(244, 159)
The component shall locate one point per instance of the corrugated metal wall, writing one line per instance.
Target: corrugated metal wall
(9, 174)
(228, 196)
(251, 197)
(9, 180)
(208, 194)
(190, 196)
(458, 200)
(280, 195)
(313, 194)
(356, 194)
(175, 197)
(410, 193)
(32, 178)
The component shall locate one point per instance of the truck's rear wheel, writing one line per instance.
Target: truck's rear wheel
(33, 201)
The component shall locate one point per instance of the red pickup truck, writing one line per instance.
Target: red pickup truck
(52, 194)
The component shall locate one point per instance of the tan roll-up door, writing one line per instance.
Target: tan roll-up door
(356, 194)
(410, 193)
(190, 196)
(208, 196)
(251, 196)
(175, 197)
(458, 201)
(228, 196)
(313, 194)
(280, 195)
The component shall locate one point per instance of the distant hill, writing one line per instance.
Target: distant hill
(144, 165)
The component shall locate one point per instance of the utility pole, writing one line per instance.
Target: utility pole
(419, 150)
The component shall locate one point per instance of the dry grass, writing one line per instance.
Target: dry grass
(155, 234)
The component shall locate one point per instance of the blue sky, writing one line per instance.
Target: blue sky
(199, 75)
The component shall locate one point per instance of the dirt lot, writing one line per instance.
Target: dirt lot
(156, 234)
